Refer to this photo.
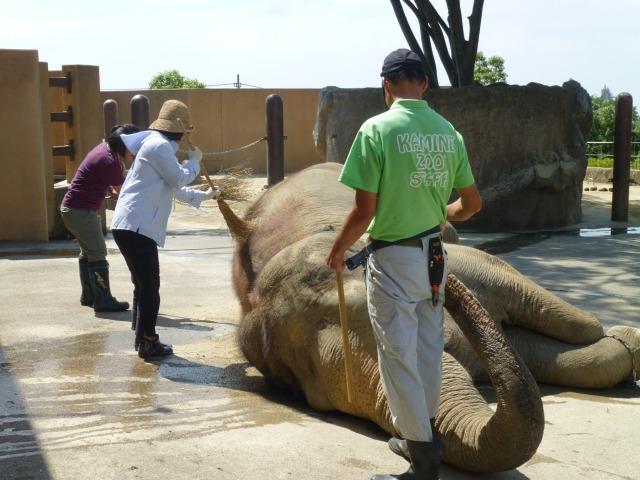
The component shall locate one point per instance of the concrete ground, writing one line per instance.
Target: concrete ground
(76, 402)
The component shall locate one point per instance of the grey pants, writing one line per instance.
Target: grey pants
(86, 226)
(409, 334)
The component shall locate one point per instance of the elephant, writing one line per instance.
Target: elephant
(499, 326)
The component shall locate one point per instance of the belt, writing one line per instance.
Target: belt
(411, 242)
(360, 258)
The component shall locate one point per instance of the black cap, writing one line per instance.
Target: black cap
(402, 60)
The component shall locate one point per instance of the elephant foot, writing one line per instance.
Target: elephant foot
(630, 338)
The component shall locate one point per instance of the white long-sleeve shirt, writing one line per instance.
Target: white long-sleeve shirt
(155, 178)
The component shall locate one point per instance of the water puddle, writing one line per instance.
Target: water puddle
(608, 231)
(521, 240)
(75, 396)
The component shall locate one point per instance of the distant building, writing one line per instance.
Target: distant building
(606, 93)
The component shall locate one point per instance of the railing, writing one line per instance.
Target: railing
(600, 154)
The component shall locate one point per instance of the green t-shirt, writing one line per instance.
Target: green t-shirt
(412, 158)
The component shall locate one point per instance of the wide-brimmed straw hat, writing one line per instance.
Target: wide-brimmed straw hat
(173, 117)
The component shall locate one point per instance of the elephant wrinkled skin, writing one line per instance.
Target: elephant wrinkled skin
(513, 332)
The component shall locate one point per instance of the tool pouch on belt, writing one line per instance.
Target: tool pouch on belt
(436, 267)
(360, 258)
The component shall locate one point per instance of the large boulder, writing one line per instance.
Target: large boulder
(525, 143)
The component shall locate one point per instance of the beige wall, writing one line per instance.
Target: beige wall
(229, 118)
(23, 197)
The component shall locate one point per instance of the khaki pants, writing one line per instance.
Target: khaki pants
(409, 334)
(86, 226)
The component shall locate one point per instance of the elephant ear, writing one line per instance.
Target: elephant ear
(475, 437)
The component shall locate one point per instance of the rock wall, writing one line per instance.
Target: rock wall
(525, 144)
(605, 175)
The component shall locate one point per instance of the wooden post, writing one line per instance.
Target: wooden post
(621, 158)
(110, 113)
(275, 140)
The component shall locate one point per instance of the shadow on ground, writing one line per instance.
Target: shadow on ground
(20, 452)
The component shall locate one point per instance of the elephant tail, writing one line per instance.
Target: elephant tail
(475, 437)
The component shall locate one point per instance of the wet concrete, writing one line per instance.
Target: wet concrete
(76, 401)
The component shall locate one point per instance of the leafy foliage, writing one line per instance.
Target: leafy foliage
(604, 119)
(173, 79)
(489, 70)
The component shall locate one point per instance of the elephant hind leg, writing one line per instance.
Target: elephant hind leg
(601, 364)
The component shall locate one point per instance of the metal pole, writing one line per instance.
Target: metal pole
(140, 112)
(275, 140)
(621, 158)
(110, 114)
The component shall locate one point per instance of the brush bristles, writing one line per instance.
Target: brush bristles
(232, 182)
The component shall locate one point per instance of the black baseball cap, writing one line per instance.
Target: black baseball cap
(402, 60)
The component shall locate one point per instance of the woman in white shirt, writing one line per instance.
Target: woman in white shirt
(139, 223)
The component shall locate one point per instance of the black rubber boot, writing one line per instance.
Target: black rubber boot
(399, 446)
(103, 301)
(425, 463)
(149, 349)
(86, 298)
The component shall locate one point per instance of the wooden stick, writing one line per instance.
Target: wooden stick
(345, 336)
(203, 169)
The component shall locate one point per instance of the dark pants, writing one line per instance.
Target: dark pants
(141, 255)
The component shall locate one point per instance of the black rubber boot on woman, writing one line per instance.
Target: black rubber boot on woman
(86, 297)
(103, 301)
(425, 463)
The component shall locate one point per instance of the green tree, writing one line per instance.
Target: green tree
(173, 79)
(489, 70)
(604, 119)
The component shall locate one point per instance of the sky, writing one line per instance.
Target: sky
(315, 43)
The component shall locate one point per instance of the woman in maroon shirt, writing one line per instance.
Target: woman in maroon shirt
(100, 171)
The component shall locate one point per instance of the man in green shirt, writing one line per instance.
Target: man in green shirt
(403, 165)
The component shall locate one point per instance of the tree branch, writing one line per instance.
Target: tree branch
(433, 13)
(408, 33)
(428, 52)
(456, 39)
(434, 22)
(474, 26)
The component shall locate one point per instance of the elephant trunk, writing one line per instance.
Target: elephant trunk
(476, 438)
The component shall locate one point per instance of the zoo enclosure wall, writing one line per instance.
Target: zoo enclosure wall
(226, 119)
